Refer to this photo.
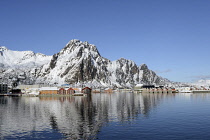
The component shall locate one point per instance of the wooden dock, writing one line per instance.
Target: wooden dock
(200, 91)
(154, 90)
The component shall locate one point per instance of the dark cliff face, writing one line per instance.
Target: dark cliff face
(91, 66)
(53, 61)
(127, 72)
(148, 76)
(151, 78)
(143, 67)
(85, 71)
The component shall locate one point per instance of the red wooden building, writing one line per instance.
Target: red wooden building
(61, 91)
(70, 91)
(86, 90)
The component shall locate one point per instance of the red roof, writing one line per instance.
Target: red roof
(86, 88)
(70, 89)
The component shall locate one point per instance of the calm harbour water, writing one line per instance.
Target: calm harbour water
(107, 116)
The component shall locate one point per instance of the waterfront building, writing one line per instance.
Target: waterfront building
(86, 90)
(141, 86)
(61, 91)
(97, 90)
(55, 90)
(48, 90)
(3, 88)
(70, 91)
(108, 90)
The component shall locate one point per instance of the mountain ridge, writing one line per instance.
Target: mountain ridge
(81, 63)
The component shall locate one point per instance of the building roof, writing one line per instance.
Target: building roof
(48, 88)
(86, 88)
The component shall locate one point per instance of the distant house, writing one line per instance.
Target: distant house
(61, 91)
(48, 90)
(55, 90)
(140, 86)
(86, 90)
(108, 90)
(96, 90)
(70, 91)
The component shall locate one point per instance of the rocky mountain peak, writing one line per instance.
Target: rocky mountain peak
(79, 47)
(3, 48)
(125, 61)
(143, 67)
(122, 60)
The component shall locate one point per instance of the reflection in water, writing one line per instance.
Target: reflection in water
(71, 117)
(152, 100)
(53, 122)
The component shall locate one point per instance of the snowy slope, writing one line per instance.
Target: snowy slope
(9, 58)
(20, 66)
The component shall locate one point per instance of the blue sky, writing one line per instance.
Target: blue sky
(171, 36)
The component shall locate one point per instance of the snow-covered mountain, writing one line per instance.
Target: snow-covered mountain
(80, 62)
(77, 63)
(9, 58)
(202, 82)
(20, 65)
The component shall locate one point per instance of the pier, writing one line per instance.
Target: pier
(158, 90)
(200, 91)
(154, 90)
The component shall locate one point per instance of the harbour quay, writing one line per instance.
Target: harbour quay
(140, 88)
